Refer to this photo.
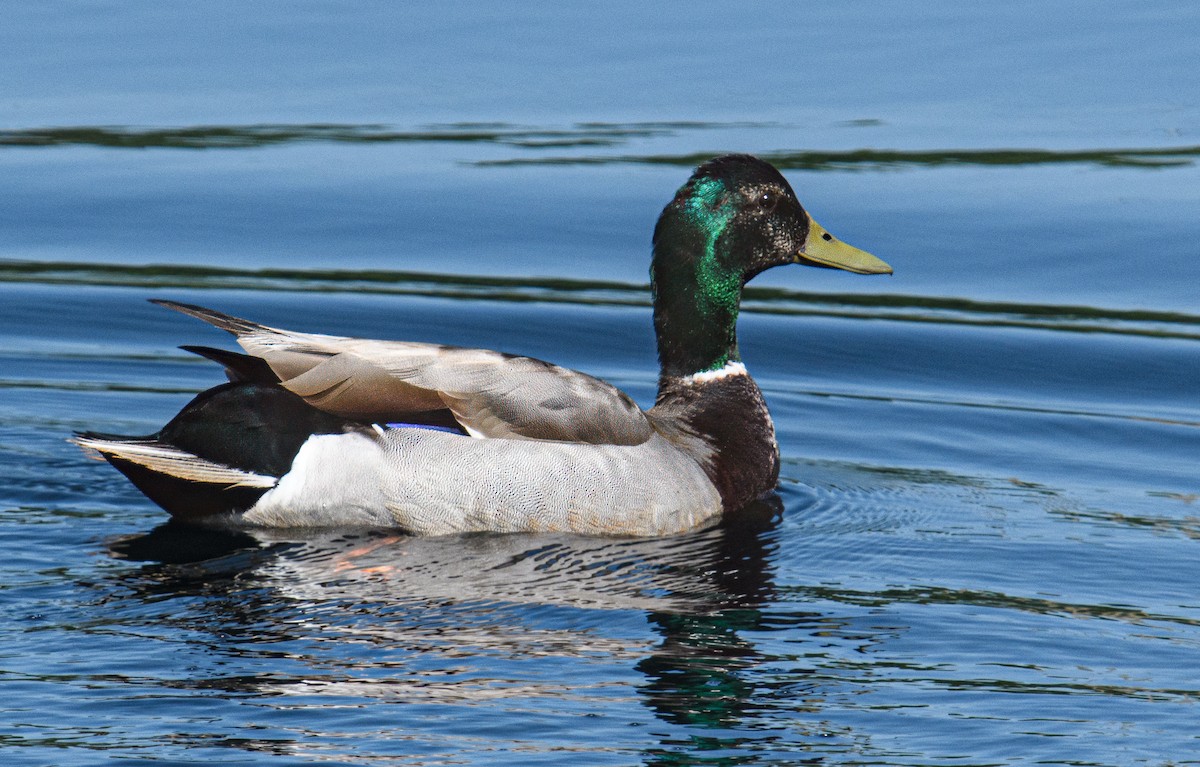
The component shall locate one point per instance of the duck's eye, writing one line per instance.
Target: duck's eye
(767, 200)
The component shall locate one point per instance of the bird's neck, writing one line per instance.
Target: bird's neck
(696, 302)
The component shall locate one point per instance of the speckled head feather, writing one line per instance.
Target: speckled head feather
(734, 218)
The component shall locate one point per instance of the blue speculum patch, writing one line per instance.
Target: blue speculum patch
(446, 429)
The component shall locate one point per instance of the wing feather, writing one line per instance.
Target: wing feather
(489, 393)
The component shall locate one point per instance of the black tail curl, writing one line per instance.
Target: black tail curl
(256, 428)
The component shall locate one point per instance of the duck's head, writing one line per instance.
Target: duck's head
(734, 218)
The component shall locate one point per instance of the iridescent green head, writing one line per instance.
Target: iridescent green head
(735, 217)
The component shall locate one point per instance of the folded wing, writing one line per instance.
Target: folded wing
(490, 394)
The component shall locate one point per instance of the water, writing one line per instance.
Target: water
(983, 546)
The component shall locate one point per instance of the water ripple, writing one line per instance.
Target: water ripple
(893, 307)
(891, 159)
(583, 135)
(253, 136)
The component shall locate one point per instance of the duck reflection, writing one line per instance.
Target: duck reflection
(475, 597)
(695, 676)
(710, 570)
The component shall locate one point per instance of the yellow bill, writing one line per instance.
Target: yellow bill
(823, 249)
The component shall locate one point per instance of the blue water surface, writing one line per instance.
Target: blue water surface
(983, 546)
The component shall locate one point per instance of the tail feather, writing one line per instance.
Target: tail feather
(221, 453)
(228, 446)
(189, 487)
(239, 368)
(169, 460)
(235, 325)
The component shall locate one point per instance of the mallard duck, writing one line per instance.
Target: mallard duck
(325, 431)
